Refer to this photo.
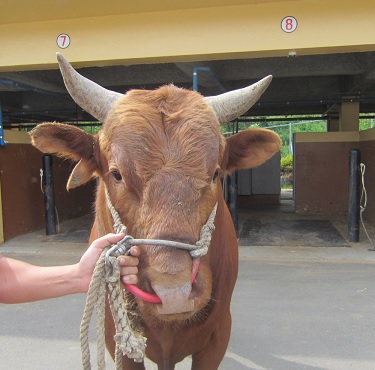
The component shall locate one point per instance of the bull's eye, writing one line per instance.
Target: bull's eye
(117, 175)
(216, 175)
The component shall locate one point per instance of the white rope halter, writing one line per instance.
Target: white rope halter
(197, 250)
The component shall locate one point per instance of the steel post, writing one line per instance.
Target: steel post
(354, 194)
(49, 201)
(2, 141)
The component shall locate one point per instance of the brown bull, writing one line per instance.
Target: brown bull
(160, 155)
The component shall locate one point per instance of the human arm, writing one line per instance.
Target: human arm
(22, 282)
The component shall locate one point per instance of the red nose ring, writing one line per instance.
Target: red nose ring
(153, 298)
(147, 297)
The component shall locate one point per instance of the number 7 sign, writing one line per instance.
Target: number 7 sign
(63, 41)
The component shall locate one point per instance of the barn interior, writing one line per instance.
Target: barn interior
(331, 79)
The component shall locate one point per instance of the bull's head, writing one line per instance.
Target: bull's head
(160, 154)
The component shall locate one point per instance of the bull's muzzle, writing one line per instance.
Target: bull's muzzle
(174, 299)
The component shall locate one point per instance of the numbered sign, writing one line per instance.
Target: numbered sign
(289, 24)
(63, 41)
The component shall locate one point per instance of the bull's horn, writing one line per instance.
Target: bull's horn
(233, 104)
(93, 98)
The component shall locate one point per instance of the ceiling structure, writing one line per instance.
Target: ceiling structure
(309, 84)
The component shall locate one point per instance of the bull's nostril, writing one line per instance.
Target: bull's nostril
(144, 296)
(144, 291)
(146, 286)
(194, 290)
(194, 270)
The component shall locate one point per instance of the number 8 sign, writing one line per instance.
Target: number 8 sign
(289, 24)
(63, 41)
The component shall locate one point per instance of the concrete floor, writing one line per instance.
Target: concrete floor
(293, 307)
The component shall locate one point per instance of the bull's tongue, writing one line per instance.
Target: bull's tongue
(174, 299)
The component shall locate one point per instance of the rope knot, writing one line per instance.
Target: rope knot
(131, 347)
(199, 252)
(112, 271)
(205, 236)
(121, 247)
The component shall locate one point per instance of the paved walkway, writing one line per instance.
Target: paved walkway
(293, 307)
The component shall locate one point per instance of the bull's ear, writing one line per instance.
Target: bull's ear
(249, 149)
(83, 172)
(69, 142)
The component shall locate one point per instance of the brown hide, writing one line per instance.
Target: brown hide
(158, 154)
(207, 335)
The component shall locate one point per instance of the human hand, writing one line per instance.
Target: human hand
(128, 266)
(89, 259)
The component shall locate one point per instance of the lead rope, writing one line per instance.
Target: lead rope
(129, 337)
(117, 224)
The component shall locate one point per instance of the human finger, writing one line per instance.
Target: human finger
(128, 270)
(107, 240)
(130, 279)
(135, 251)
(126, 261)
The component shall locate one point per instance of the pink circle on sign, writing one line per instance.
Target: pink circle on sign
(63, 41)
(289, 24)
